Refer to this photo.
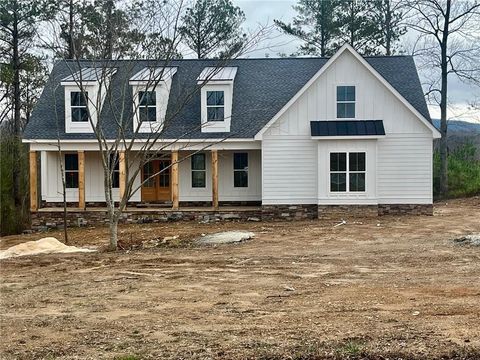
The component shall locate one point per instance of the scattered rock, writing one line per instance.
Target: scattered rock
(169, 238)
(230, 217)
(253, 219)
(226, 237)
(416, 313)
(468, 240)
(175, 216)
(46, 245)
(289, 288)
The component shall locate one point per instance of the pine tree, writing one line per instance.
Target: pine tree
(212, 28)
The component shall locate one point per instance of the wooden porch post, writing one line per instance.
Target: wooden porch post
(33, 181)
(215, 179)
(81, 179)
(123, 173)
(175, 201)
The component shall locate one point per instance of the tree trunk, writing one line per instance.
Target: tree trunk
(65, 232)
(443, 107)
(71, 46)
(322, 31)
(113, 221)
(388, 28)
(16, 106)
(109, 31)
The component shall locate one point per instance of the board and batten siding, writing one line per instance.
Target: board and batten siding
(294, 164)
(226, 190)
(51, 182)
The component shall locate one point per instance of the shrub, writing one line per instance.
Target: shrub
(463, 172)
(13, 219)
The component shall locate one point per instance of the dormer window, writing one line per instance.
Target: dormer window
(147, 106)
(215, 105)
(216, 98)
(78, 106)
(151, 90)
(85, 92)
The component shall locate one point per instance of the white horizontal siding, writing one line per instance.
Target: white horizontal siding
(404, 170)
(289, 171)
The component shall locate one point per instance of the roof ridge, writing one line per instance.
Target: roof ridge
(236, 59)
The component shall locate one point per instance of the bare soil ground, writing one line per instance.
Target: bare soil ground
(389, 287)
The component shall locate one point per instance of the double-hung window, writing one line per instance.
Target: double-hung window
(347, 172)
(147, 106)
(215, 106)
(71, 171)
(240, 169)
(78, 106)
(115, 166)
(345, 102)
(199, 175)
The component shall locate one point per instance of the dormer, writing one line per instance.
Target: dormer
(151, 90)
(216, 98)
(85, 93)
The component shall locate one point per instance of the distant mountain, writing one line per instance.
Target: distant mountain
(460, 133)
(459, 126)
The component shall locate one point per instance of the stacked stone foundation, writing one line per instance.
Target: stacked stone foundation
(405, 209)
(47, 220)
(53, 219)
(289, 212)
(338, 212)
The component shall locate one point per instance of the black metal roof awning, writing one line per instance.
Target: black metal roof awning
(347, 128)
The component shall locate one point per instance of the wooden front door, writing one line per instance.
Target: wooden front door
(157, 188)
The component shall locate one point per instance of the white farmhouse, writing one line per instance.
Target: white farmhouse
(290, 137)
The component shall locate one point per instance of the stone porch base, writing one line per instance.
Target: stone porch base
(52, 218)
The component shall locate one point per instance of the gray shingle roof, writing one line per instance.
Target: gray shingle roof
(261, 88)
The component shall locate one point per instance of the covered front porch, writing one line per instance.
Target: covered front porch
(178, 180)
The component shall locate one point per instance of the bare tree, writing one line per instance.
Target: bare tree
(450, 43)
(129, 144)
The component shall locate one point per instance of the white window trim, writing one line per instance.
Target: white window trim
(247, 170)
(347, 172)
(345, 102)
(162, 93)
(217, 126)
(82, 126)
(216, 106)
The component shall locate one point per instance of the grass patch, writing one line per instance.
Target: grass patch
(350, 348)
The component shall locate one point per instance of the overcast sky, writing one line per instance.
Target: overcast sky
(264, 11)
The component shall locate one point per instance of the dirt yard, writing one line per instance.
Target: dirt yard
(390, 287)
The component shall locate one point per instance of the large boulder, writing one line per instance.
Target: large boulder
(227, 237)
(469, 240)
